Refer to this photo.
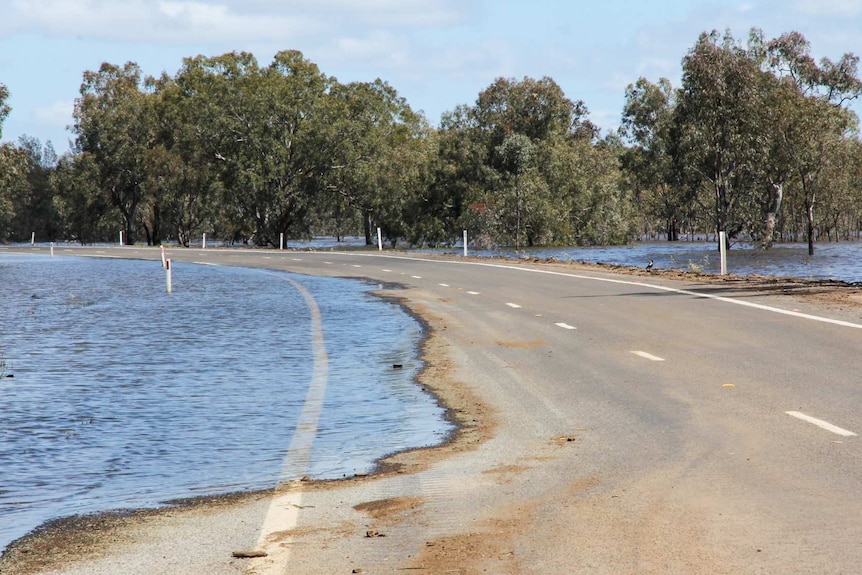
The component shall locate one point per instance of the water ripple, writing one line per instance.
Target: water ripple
(124, 396)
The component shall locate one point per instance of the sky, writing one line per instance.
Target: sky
(438, 54)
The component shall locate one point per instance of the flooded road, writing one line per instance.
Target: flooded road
(123, 396)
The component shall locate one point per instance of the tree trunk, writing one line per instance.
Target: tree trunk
(366, 225)
(672, 230)
(811, 227)
(772, 214)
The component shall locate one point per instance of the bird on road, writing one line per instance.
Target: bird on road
(649, 266)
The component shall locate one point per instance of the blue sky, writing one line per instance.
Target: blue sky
(435, 53)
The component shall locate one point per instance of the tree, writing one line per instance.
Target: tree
(370, 138)
(84, 209)
(113, 122)
(33, 204)
(522, 143)
(12, 172)
(715, 126)
(261, 128)
(816, 121)
(515, 157)
(646, 126)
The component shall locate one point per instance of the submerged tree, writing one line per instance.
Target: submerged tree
(114, 124)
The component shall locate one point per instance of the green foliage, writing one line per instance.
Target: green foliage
(749, 128)
(4, 107)
(754, 139)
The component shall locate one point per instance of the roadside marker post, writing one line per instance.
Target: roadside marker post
(379, 240)
(281, 241)
(722, 249)
(204, 242)
(465, 243)
(33, 239)
(168, 275)
(52, 249)
(163, 256)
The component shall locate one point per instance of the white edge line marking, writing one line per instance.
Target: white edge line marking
(206, 264)
(283, 511)
(820, 423)
(648, 356)
(513, 305)
(633, 283)
(565, 325)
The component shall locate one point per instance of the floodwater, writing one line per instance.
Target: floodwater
(123, 396)
(831, 261)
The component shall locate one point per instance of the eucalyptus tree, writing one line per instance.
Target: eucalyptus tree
(454, 198)
(647, 163)
(12, 170)
(13, 184)
(260, 127)
(817, 121)
(4, 107)
(370, 152)
(715, 128)
(113, 124)
(85, 212)
(515, 158)
(33, 202)
(529, 139)
(182, 164)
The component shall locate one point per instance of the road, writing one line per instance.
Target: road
(615, 424)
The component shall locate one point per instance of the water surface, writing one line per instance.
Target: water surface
(124, 396)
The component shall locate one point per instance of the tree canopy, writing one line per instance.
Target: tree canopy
(758, 141)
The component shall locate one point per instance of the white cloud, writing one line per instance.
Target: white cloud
(56, 115)
(189, 21)
(829, 8)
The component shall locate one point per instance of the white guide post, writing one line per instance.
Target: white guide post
(121, 237)
(168, 275)
(164, 265)
(33, 239)
(722, 248)
(281, 241)
(465, 243)
(52, 249)
(379, 240)
(204, 242)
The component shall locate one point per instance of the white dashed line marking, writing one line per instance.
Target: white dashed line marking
(443, 285)
(648, 356)
(357, 266)
(328, 263)
(296, 259)
(513, 305)
(387, 270)
(565, 325)
(473, 292)
(821, 424)
(416, 277)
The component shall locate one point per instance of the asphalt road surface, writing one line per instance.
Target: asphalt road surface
(620, 424)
